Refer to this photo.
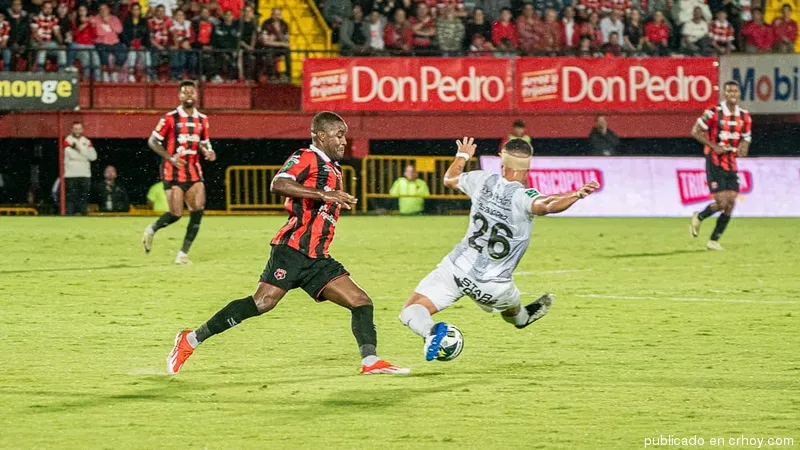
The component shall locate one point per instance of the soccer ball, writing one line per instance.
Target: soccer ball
(452, 344)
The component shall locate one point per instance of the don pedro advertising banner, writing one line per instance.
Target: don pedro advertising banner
(663, 187)
(21, 91)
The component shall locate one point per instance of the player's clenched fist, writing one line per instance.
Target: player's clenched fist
(340, 197)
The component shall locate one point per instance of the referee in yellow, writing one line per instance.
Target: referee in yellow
(411, 192)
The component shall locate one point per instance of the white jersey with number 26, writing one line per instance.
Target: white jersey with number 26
(500, 226)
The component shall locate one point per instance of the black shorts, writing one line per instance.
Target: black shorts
(184, 185)
(721, 180)
(289, 269)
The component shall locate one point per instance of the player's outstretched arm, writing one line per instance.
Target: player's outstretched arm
(466, 150)
(290, 188)
(554, 204)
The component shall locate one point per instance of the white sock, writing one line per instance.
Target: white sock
(418, 319)
(520, 319)
(191, 338)
(370, 360)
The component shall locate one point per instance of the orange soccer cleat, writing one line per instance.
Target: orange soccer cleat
(382, 366)
(180, 353)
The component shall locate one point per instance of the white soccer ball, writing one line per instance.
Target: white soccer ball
(452, 344)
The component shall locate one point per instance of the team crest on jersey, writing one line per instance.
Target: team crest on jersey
(292, 161)
(280, 274)
(531, 192)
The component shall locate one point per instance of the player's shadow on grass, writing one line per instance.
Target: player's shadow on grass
(379, 398)
(76, 269)
(669, 253)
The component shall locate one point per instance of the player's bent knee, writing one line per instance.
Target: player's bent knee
(265, 303)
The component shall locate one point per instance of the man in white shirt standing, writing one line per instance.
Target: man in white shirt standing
(612, 23)
(78, 156)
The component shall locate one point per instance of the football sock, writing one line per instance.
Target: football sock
(370, 360)
(520, 319)
(229, 316)
(708, 212)
(166, 219)
(722, 223)
(418, 319)
(192, 339)
(191, 230)
(364, 330)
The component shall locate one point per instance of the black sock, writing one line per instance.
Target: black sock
(166, 219)
(364, 330)
(229, 316)
(191, 230)
(706, 213)
(722, 222)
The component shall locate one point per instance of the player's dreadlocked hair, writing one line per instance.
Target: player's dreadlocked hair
(325, 120)
(518, 147)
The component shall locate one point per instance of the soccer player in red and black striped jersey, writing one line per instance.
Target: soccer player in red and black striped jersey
(311, 181)
(180, 137)
(725, 130)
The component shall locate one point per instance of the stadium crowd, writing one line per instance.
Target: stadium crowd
(592, 28)
(115, 41)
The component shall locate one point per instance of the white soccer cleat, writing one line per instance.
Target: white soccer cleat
(714, 245)
(147, 238)
(182, 258)
(694, 227)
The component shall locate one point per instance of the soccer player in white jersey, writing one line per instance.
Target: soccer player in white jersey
(481, 265)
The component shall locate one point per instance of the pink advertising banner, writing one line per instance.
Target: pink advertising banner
(663, 187)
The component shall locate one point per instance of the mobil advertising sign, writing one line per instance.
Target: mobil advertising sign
(770, 83)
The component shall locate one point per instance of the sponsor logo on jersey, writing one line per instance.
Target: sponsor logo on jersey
(693, 185)
(531, 192)
(280, 274)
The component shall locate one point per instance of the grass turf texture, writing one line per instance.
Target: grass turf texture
(650, 335)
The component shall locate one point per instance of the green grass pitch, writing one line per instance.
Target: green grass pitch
(650, 335)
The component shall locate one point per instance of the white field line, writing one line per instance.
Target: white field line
(688, 299)
(550, 272)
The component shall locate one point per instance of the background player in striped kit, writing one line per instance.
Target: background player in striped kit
(184, 131)
(725, 130)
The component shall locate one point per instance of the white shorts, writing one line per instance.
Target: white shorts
(447, 283)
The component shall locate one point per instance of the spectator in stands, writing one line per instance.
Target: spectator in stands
(136, 36)
(424, 26)
(46, 36)
(602, 140)
(585, 48)
(247, 42)
(64, 24)
(758, 36)
(450, 31)
(354, 34)
(226, 42)
(478, 25)
(159, 25)
(570, 30)
(157, 198)
(274, 39)
(336, 11)
(181, 57)
(504, 33)
(5, 27)
(410, 190)
(587, 7)
(493, 9)
(78, 156)
(721, 32)
(785, 29)
(398, 35)
(612, 47)
(633, 38)
(204, 33)
(109, 195)
(377, 23)
(657, 35)
(169, 6)
(541, 6)
(19, 34)
(528, 27)
(696, 40)
(612, 23)
(607, 7)
(108, 44)
(550, 40)
(518, 132)
(592, 29)
(82, 49)
(234, 6)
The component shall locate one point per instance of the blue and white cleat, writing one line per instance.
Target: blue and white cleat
(433, 343)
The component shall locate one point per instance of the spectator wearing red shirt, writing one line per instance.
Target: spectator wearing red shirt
(399, 35)
(589, 6)
(551, 43)
(234, 6)
(82, 46)
(204, 33)
(136, 35)
(159, 26)
(657, 35)
(504, 33)
(5, 29)
(593, 31)
(46, 35)
(424, 26)
(570, 30)
(606, 6)
(721, 33)
(758, 36)
(528, 27)
(785, 31)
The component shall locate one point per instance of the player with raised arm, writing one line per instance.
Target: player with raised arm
(725, 131)
(481, 265)
(311, 181)
(184, 131)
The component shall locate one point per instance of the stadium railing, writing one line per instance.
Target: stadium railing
(18, 211)
(379, 172)
(247, 188)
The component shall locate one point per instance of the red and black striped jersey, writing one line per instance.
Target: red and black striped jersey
(311, 223)
(182, 134)
(728, 129)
